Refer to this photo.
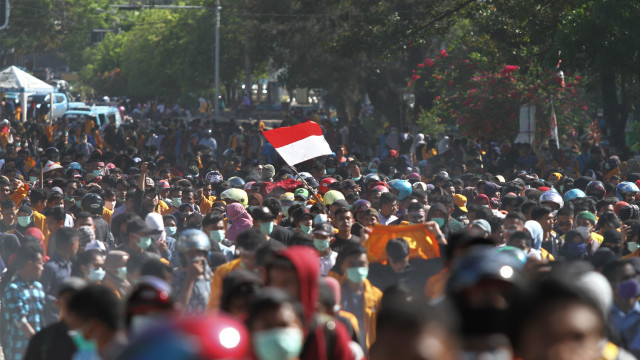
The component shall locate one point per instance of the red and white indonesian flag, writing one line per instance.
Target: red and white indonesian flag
(298, 143)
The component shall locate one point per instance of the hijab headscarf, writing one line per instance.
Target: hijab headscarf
(239, 219)
(535, 229)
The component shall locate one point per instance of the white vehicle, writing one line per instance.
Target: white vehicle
(60, 103)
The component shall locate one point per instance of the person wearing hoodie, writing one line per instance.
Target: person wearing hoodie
(296, 271)
(239, 219)
(166, 245)
(537, 233)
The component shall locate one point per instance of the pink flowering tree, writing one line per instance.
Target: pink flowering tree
(482, 97)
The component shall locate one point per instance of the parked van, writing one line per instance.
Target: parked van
(102, 115)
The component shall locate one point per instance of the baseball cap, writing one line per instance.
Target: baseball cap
(139, 226)
(323, 228)
(303, 193)
(301, 213)
(461, 202)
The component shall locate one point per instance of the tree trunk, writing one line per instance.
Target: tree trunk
(615, 123)
(385, 98)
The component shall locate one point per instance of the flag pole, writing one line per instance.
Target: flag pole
(305, 183)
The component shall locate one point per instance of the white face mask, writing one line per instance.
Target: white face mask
(585, 228)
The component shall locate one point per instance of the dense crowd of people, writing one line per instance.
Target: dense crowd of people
(173, 239)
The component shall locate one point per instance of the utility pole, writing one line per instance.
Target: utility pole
(216, 101)
(4, 14)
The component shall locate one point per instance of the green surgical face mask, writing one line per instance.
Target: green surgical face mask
(81, 343)
(252, 207)
(69, 198)
(171, 230)
(278, 344)
(176, 202)
(285, 210)
(216, 236)
(24, 221)
(266, 227)
(121, 273)
(321, 245)
(439, 221)
(633, 246)
(144, 242)
(305, 229)
(33, 179)
(97, 172)
(357, 275)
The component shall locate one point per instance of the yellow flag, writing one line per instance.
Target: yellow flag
(421, 241)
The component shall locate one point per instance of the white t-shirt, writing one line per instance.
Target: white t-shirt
(327, 262)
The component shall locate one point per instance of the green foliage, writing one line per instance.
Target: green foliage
(483, 97)
(29, 30)
(430, 122)
(164, 54)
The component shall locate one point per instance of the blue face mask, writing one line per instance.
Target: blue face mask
(279, 343)
(33, 179)
(357, 275)
(331, 171)
(176, 202)
(576, 249)
(628, 289)
(171, 230)
(266, 227)
(97, 172)
(356, 179)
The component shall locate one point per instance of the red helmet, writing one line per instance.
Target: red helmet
(204, 337)
(150, 295)
(324, 184)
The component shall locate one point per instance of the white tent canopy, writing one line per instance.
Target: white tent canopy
(16, 80)
(12, 79)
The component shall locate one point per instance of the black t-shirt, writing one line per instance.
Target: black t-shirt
(52, 342)
(282, 234)
(356, 228)
(415, 275)
(340, 243)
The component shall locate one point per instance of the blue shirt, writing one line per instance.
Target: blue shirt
(20, 300)
(628, 325)
(354, 303)
(55, 271)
